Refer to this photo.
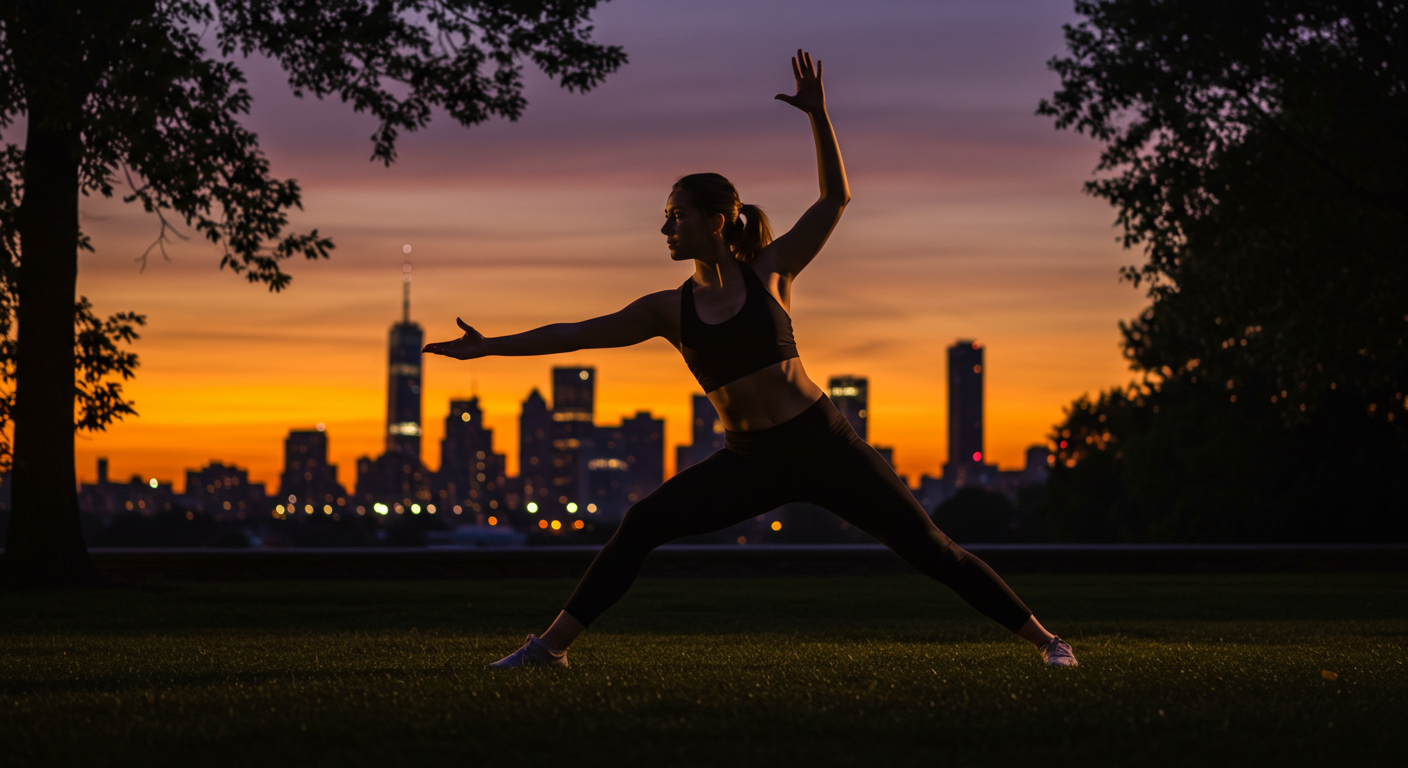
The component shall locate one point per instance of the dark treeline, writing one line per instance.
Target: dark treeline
(1255, 152)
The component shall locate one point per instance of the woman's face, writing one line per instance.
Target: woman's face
(688, 232)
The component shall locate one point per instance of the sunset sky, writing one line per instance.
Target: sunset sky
(968, 221)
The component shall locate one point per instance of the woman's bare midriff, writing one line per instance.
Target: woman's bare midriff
(765, 398)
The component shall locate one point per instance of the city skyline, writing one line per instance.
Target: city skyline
(968, 222)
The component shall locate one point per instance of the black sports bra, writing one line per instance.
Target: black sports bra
(758, 336)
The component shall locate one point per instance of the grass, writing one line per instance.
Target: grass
(1221, 670)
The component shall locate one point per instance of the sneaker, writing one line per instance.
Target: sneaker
(1057, 653)
(534, 653)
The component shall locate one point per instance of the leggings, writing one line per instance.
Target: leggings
(815, 457)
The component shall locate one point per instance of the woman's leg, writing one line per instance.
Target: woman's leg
(720, 491)
(858, 485)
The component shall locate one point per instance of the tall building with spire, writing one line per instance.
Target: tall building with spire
(403, 388)
(397, 477)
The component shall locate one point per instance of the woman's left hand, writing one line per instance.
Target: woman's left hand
(810, 98)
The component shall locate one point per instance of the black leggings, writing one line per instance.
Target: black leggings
(817, 458)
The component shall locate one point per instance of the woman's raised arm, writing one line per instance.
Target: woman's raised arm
(644, 318)
(792, 251)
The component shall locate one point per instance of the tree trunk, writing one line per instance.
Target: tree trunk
(45, 542)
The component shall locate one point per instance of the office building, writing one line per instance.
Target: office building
(224, 491)
(851, 394)
(397, 478)
(471, 475)
(573, 411)
(625, 464)
(307, 478)
(403, 389)
(535, 449)
(965, 413)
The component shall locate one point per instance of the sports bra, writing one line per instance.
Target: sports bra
(759, 335)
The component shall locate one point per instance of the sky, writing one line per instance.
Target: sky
(967, 221)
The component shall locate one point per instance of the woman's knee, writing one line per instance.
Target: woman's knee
(643, 526)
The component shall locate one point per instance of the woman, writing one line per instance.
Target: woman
(785, 440)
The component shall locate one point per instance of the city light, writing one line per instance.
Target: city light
(308, 508)
(322, 427)
(279, 509)
(380, 509)
(327, 509)
(977, 455)
(591, 507)
(493, 521)
(464, 417)
(415, 509)
(571, 507)
(777, 525)
(532, 507)
(430, 508)
(556, 525)
(458, 509)
(542, 523)
(584, 375)
(579, 525)
(153, 483)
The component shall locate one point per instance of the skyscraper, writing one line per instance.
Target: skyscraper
(965, 411)
(471, 475)
(397, 477)
(573, 410)
(307, 476)
(625, 464)
(403, 425)
(851, 394)
(535, 449)
(706, 432)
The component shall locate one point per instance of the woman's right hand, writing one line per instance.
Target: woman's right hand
(467, 347)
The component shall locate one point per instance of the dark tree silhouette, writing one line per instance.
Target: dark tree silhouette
(1255, 152)
(145, 95)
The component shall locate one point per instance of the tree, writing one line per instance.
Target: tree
(145, 95)
(1255, 152)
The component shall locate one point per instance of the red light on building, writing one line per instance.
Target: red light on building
(977, 456)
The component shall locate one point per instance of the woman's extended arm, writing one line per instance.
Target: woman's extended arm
(792, 251)
(644, 318)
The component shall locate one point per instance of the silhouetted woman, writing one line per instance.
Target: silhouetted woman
(785, 440)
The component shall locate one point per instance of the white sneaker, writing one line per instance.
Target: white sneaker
(534, 653)
(1057, 653)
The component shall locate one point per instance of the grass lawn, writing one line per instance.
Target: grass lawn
(1175, 670)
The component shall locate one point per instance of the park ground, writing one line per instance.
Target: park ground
(881, 670)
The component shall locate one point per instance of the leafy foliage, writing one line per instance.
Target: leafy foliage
(160, 119)
(1255, 152)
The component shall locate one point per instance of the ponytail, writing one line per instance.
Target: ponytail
(754, 233)
(746, 227)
